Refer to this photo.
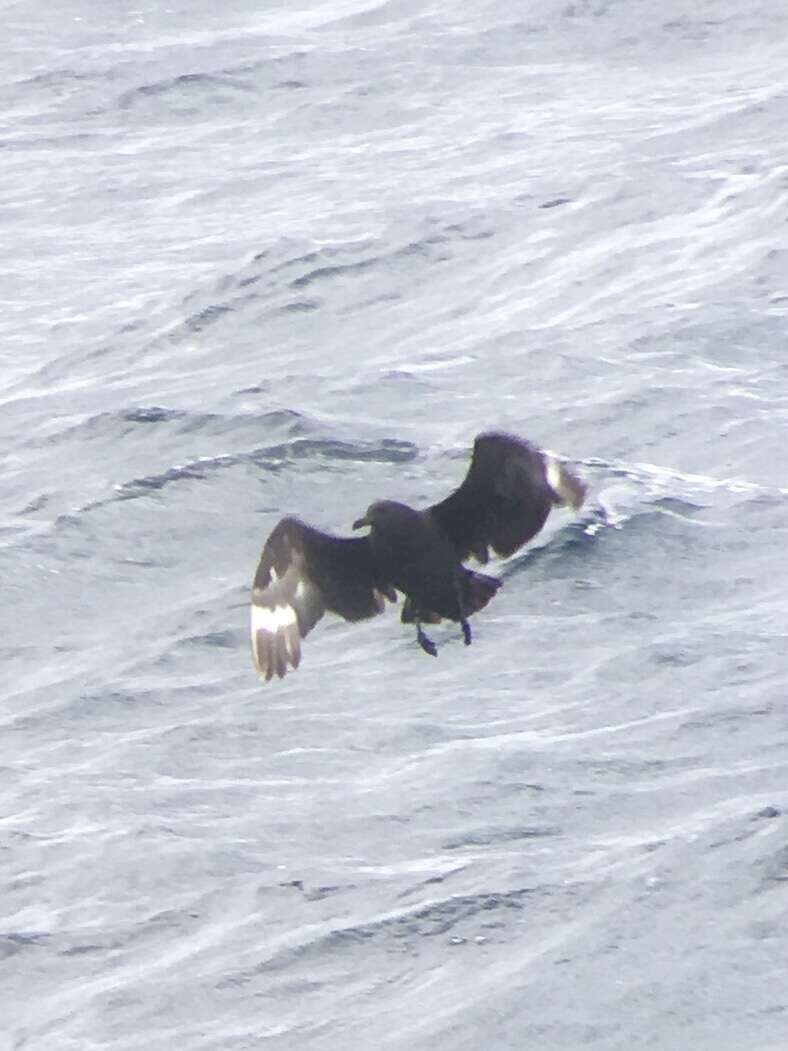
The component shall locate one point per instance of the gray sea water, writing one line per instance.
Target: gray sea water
(289, 257)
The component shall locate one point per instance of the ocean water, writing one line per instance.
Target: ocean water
(288, 258)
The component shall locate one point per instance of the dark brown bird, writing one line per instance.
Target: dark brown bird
(503, 502)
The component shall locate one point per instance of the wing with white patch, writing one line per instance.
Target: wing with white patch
(302, 573)
(505, 497)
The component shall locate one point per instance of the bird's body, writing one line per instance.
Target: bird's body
(504, 501)
(411, 551)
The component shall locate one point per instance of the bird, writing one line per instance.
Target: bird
(504, 500)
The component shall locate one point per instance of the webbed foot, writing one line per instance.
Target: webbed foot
(466, 632)
(426, 643)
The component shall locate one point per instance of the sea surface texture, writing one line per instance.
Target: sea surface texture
(289, 257)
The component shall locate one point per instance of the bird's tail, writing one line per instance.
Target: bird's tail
(477, 590)
(566, 486)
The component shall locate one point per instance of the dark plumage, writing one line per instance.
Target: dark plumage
(504, 500)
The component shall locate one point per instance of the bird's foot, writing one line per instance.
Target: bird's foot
(426, 643)
(466, 632)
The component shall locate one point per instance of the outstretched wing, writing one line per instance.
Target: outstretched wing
(302, 573)
(506, 496)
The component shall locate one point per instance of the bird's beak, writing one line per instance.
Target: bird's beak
(361, 523)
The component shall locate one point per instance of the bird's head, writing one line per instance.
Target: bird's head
(382, 513)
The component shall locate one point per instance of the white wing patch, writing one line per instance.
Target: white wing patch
(569, 489)
(553, 473)
(271, 618)
(275, 638)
